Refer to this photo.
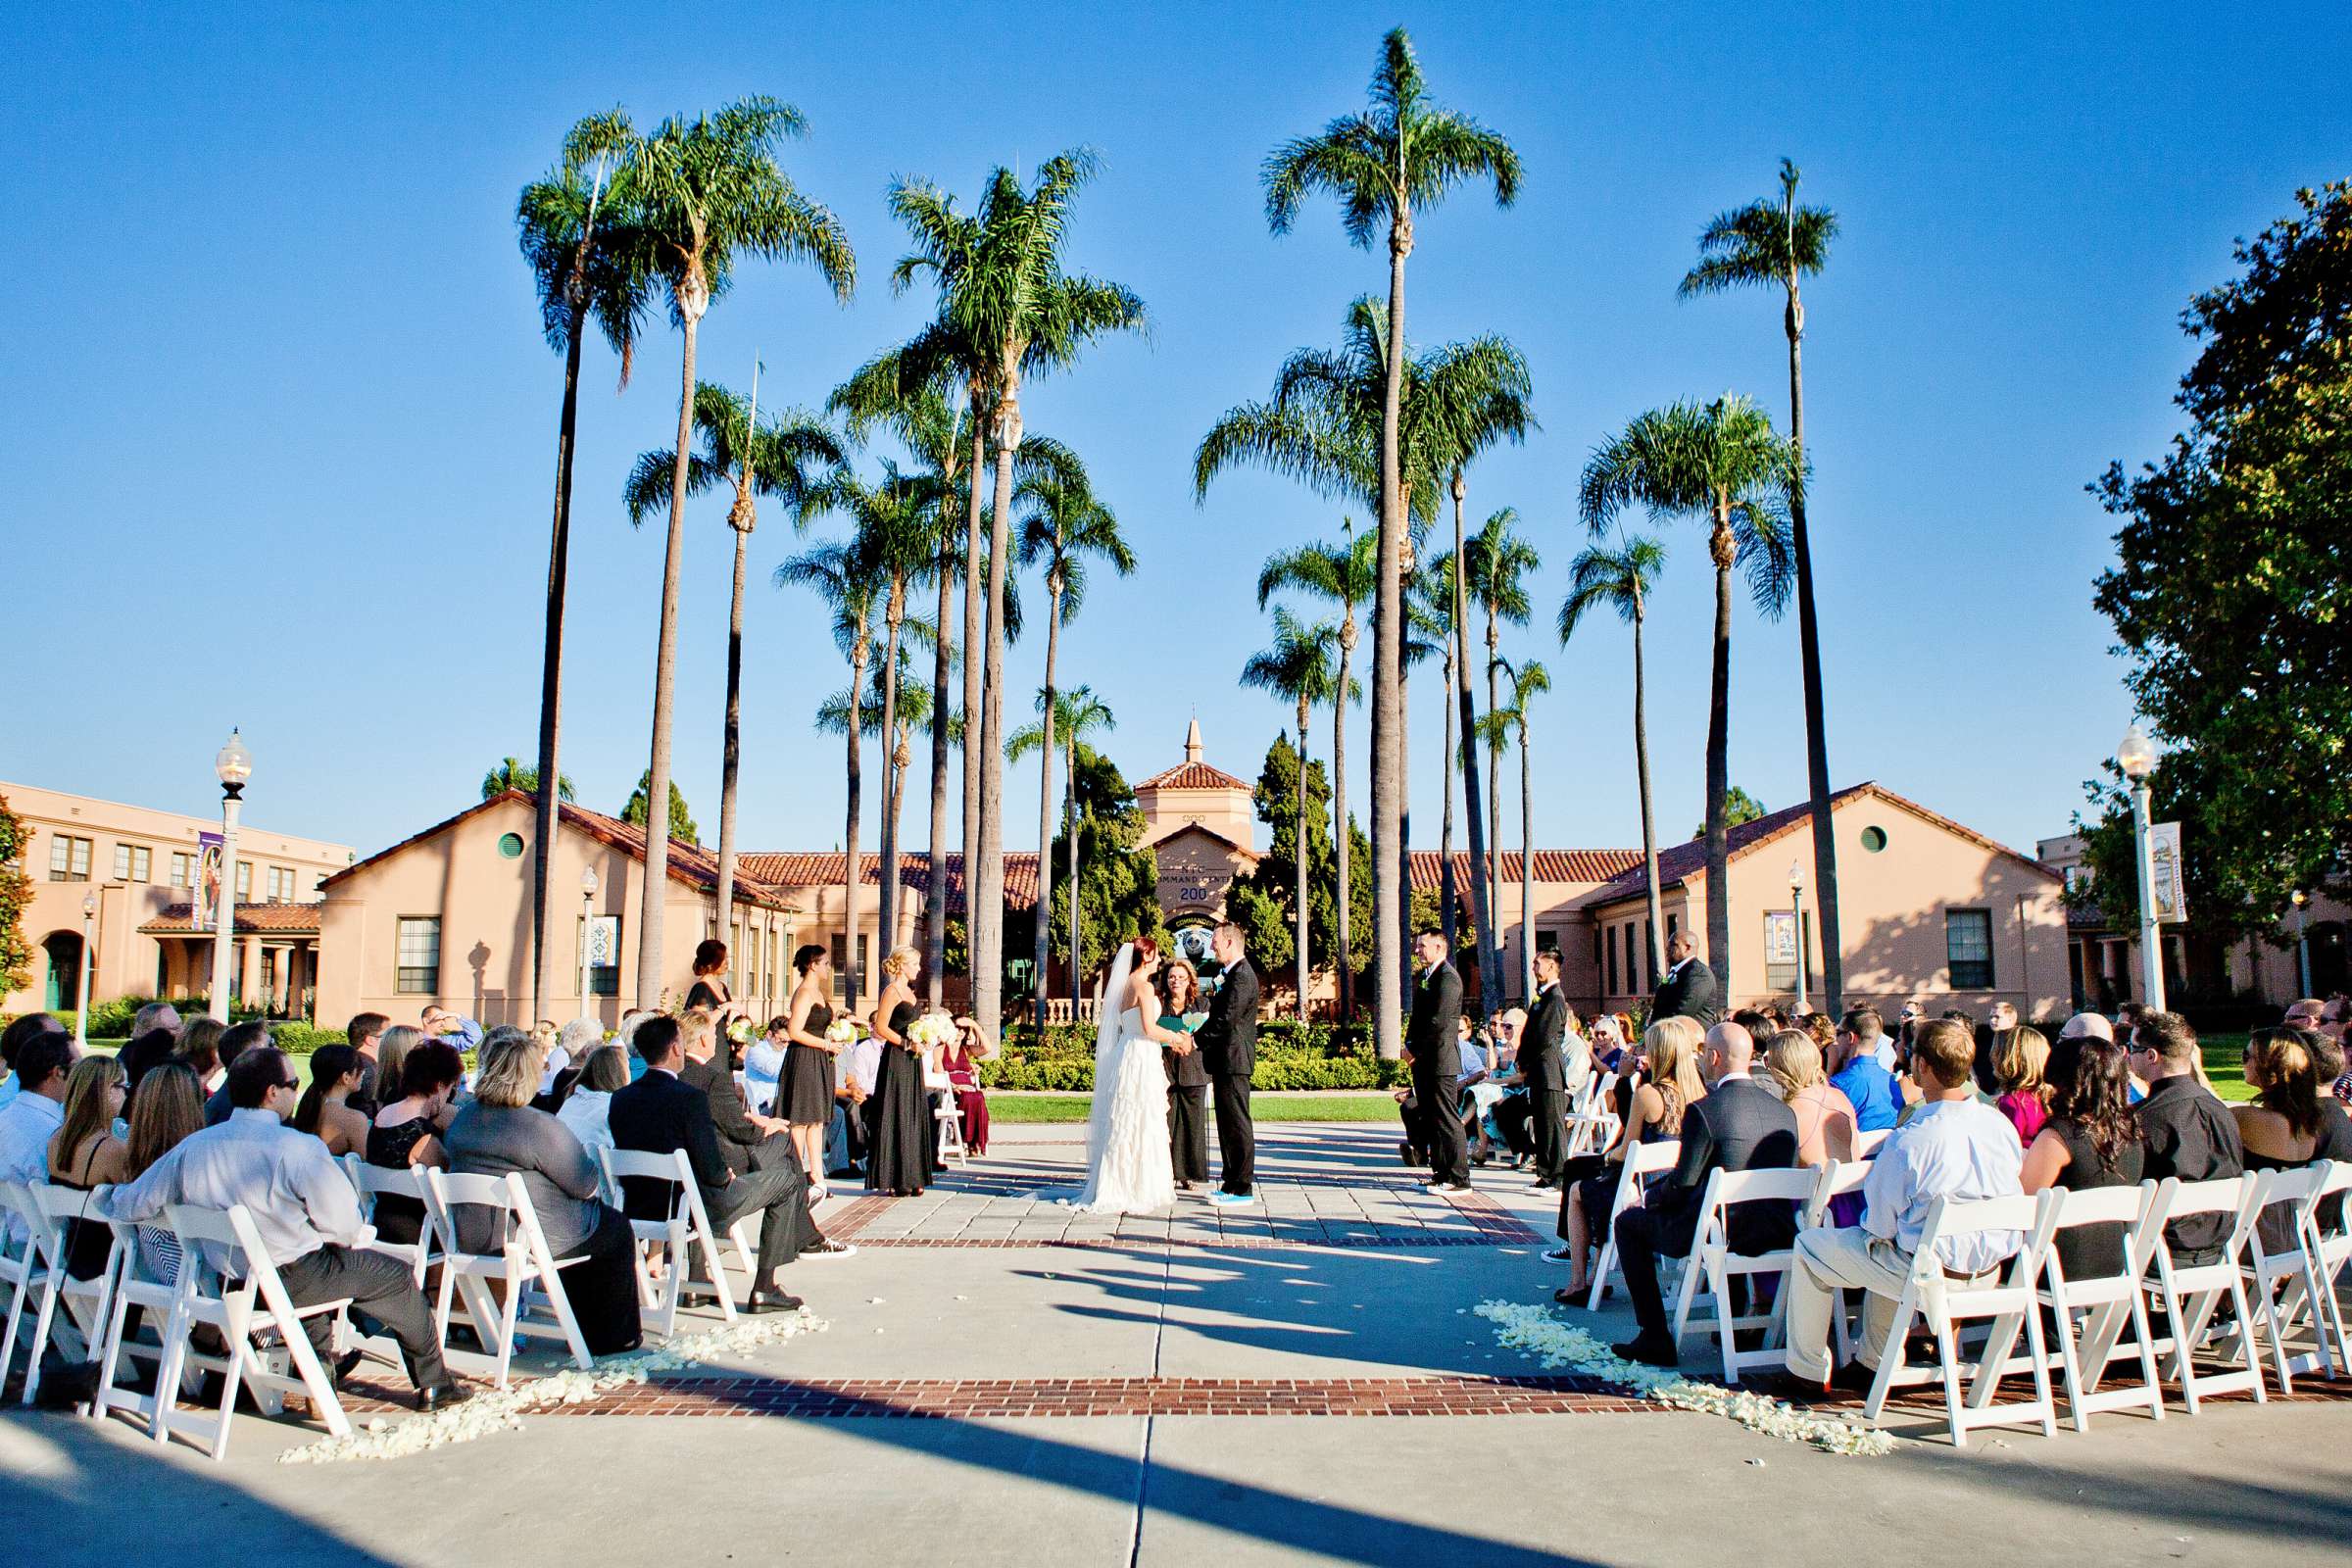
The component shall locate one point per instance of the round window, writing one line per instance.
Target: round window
(510, 844)
(1874, 839)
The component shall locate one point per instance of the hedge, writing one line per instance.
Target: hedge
(1318, 1055)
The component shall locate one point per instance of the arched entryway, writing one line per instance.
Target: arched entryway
(64, 952)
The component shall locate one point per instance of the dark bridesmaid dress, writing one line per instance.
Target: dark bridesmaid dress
(807, 1092)
(900, 1160)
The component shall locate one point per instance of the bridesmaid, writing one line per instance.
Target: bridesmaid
(805, 1098)
(710, 989)
(899, 1159)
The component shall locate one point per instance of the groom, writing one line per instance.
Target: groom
(1228, 1042)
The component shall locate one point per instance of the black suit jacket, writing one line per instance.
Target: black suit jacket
(1738, 1126)
(1540, 1059)
(1434, 1033)
(729, 1116)
(661, 1114)
(1228, 1036)
(1686, 993)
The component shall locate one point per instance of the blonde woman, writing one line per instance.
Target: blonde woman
(2019, 1062)
(1670, 1086)
(1825, 1118)
(899, 1125)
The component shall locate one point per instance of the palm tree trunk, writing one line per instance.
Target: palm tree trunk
(693, 297)
(1649, 832)
(1338, 824)
(1808, 642)
(1495, 816)
(1482, 909)
(1448, 905)
(853, 881)
(1391, 885)
(730, 749)
(1069, 828)
(972, 644)
(886, 926)
(1719, 716)
(1304, 968)
(988, 916)
(935, 901)
(551, 667)
(1527, 863)
(1041, 944)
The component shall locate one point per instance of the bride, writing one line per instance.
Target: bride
(1128, 1166)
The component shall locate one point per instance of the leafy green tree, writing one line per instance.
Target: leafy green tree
(1384, 165)
(1723, 465)
(710, 193)
(1621, 579)
(1273, 885)
(512, 773)
(1738, 807)
(16, 892)
(1772, 244)
(1529, 680)
(681, 820)
(2232, 586)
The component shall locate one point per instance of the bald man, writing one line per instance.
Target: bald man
(1738, 1126)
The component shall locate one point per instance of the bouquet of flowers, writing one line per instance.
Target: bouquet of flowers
(842, 1033)
(741, 1032)
(933, 1031)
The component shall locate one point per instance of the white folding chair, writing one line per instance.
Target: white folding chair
(531, 1275)
(229, 1282)
(686, 1231)
(2004, 1296)
(2092, 1312)
(2286, 1282)
(2327, 1238)
(372, 1182)
(1640, 1159)
(1593, 1125)
(1711, 1258)
(146, 1280)
(1835, 1179)
(48, 1212)
(2190, 1294)
(1866, 1144)
(949, 1115)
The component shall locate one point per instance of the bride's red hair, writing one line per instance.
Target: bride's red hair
(1146, 949)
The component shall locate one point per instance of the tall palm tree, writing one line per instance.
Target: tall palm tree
(1529, 680)
(1385, 164)
(1345, 574)
(1074, 716)
(1428, 599)
(711, 193)
(778, 458)
(514, 773)
(1621, 579)
(915, 710)
(588, 257)
(836, 573)
(1723, 464)
(1005, 294)
(1064, 524)
(1772, 244)
(1300, 666)
(1493, 562)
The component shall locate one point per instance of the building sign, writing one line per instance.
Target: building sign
(1780, 938)
(208, 881)
(2168, 874)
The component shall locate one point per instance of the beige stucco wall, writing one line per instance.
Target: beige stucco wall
(1228, 812)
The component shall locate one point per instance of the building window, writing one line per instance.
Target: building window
(244, 881)
(183, 869)
(418, 956)
(281, 884)
(1609, 940)
(1967, 948)
(1649, 955)
(510, 844)
(133, 863)
(1788, 939)
(1874, 839)
(844, 983)
(69, 858)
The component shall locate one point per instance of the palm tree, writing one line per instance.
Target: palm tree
(1345, 574)
(915, 709)
(514, 773)
(1064, 524)
(776, 459)
(1072, 717)
(1300, 666)
(1493, 562)
(1009, 309)
(1529, 680)
(1725, 464)
(1384, 165)
(836, 573)
(588, 257)
(712, 192)
(1621, 579)
(1430, 602)
(1772, 244)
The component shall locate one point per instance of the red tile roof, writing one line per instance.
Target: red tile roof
(1587, 866)
(295, 919)
(1192, 776)
(822, 869)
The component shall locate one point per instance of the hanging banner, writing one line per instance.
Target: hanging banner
(1780, 937)
(208, 881)
(602, 936)
(2169, 874)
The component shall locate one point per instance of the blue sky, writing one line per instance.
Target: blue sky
(281, 424)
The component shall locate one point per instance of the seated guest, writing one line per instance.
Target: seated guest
(1954, 1146)
(325, 1111)
(564, 1058)
(764, 1066)
(365, 1034)
(1609, 1044)
(662, 1114)
(748, 1141)
(1824, 1119)
(199, 1050)
(2283, 1128)
(1738, 1126)
(85, 1153)
(2190, 1133)
(1870, 1037)
(168, 1110)
(235, 1040)
(962, 1063)
(392, 1049)
(1862, 1075)
(154, 1037)
(1992, 1038)
(588, 1108)
(29, 1122)
(1670, 1087)
(2335, 1125)
(407, 1132)
(2090, 1139)
(2017, 1061)
(14, 1036)
(500, 1132)
(439, 1023)
(307, 1214)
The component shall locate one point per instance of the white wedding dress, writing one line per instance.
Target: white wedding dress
(1128, 1167)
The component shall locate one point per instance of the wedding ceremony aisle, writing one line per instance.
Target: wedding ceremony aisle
(1000, 1380)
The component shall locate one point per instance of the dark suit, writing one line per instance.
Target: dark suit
(1686, 991)
(741, 1142)
(662, 1114)
(1228, 1042)
(1545, 1072)
(1738, 1126)
(1434, 1036)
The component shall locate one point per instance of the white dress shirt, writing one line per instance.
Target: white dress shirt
(26, 1124)
(1956, 1148)
(865, 1064)
(299, 1197)
(9, 1089)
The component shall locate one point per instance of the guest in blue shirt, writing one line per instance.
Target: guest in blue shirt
(1877, 1100)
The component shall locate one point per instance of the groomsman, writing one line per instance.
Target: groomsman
(1687, 987)
(1545, 1070)
(1433, 1038)
(1228, 1040)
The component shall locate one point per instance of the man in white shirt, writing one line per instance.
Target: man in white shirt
(12, 1040)
(1952, 1147)
(306, 1212)
(30, 1120)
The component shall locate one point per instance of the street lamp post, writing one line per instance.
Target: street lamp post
(587, 906)
(234, 765)
(2136, 755)
(82, 988)
(2302, 942)
(1797, 905)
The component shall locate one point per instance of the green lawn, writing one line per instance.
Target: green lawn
(1371, 1104)
(2226, 1064)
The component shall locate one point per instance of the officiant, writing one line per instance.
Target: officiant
(1188, 1080)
